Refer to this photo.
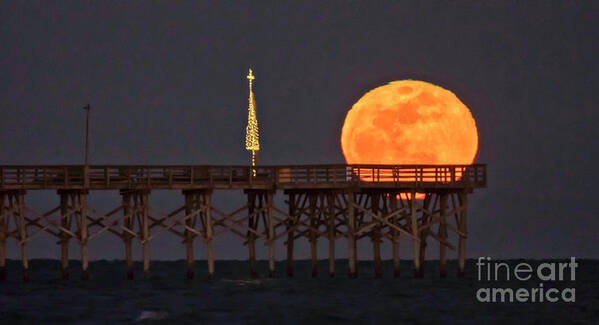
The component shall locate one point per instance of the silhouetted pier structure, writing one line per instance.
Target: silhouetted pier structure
(353, 202)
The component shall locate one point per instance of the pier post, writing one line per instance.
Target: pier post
(209, 232)
(188, 235)
(351, 236)
(416, 234)
(127, 234)
(426, 218)
(73, 205)
(20, 210)
(142, 198)
(394, 234)
(332, 232)
(251, 237)
(463, 200)
(3, 230)
(290, 234)
(82, 200)
(314, 223)
(443, 235)
(376, 235)
(198, 206)
(271, 234)
(65, 223)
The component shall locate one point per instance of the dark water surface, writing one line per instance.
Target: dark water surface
(232, 297)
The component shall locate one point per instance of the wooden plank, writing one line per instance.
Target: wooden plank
(182, 177)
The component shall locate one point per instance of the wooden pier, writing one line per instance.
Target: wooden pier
(351, 202)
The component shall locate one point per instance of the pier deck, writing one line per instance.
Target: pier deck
(377, 202)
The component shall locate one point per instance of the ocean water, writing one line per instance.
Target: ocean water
(232, 297)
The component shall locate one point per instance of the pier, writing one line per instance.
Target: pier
(424, 203)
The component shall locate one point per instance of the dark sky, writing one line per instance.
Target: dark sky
(166, 81)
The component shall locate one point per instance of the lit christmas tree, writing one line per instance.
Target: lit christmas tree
(252, 141)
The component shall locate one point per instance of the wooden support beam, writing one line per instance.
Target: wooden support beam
(198, 207)
(250, 235)
(443, 235)
(462, 226)
(271, 233)
(365, 227)
(394, 235)
(416, 233)
(145, 232)
(83, 233)
(127, 236)
(19, 205)
(188, 235)
(332, 231)
(3, 233)
(351, 239)
(314, 223)
(425, 218)
(290, 234)
(376, 236)
(209, 232)
(65, 221)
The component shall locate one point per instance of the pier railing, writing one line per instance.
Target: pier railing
(189, 177)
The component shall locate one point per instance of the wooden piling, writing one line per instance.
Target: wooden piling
(145, 233)
(20, 206)
(314, 223)
(416, 233)
(394, 234)
(351, 236)
(3, 230)
(376, 236)
(271, 234)
(252, 224)
(65, 217)
(462, 224)
(443, 235)
(209, 232)
(128, 220)
(83, 233)
(290, 234)
(331, 232)
(188, 235)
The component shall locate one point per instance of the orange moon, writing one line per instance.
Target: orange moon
(409, 122)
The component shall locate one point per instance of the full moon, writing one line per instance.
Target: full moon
(409, 122)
